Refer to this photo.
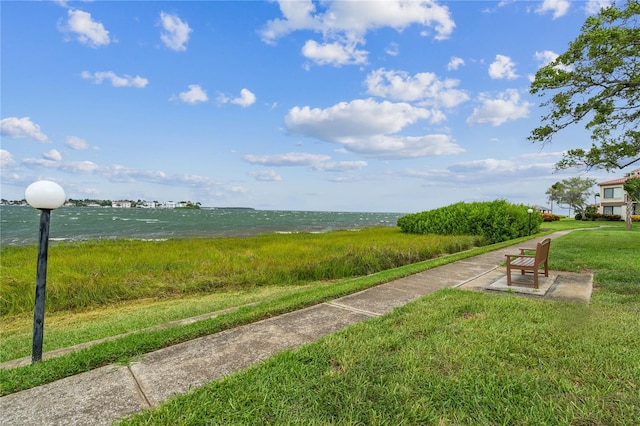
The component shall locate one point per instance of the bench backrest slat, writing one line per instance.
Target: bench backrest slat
(542, 250)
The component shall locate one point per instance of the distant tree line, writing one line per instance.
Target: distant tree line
(89, 202)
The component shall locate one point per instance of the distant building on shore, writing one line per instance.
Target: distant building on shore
(121, 204)
(118, 204)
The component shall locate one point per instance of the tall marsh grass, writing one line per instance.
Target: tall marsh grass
(88, 274)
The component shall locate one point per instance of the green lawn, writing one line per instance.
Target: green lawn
(297, 259)
(457, 357)
(454, 357)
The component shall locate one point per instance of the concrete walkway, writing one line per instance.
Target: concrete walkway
(101, 396)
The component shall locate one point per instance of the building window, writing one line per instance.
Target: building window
(613, 192)
(612, 210)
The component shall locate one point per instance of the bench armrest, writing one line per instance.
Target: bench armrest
(509, 256)
(522, 250)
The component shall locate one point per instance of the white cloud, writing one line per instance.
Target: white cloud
(116, 81)
(120, 173)
(545, 57)
(506, 107)
(493, 170)
(22, 128)
(53, 160)
(502, 67)
(175, 34)
(336, 53)
(340, 166)
(194, 95)
(558, 7)
(287, 160)
(455, 63)
(246, 98)
(365, 127)
(426, 87)
(353, 17)
(53, 155)
(403, 147)
(486, 171)
(594, 6)
(6, 159)
(316, 162)
(80, 167)
(78, 144)
(40, 162)
(266, 175)
(297, 16)
(87, 30)
(485, 165)
(344, 24)
(393, 49)
(358, 118)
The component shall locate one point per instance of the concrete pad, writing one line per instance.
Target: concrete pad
(565, 285)
(185, 366)
(544, 284)
(97, 397)
(572, 287)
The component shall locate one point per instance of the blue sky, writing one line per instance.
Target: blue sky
(386, 106)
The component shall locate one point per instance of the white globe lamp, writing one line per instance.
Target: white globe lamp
(45, 196)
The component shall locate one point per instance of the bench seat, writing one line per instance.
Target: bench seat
(530, 263)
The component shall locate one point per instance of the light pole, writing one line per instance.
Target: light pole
(45, 196)
(530, 211)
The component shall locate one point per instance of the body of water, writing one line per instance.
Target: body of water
(19, 224)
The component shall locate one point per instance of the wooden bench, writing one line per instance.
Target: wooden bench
(529, 262)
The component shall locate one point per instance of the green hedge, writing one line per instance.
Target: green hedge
(494, 220)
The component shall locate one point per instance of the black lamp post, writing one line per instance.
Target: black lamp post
(45, 196)
(530, 211)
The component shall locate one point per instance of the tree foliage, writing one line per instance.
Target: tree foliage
(632, 187)
(572, 193)
(597, 81)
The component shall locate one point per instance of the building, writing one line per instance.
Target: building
(613, 197)
(121, 204)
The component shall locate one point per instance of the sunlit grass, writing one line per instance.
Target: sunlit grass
(612, 304)
(65, 329)
(133, 345)
(454, 357)
(457, 357)
(95, 273)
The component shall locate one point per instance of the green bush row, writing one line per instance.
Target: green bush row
(600, 216)
(495, 221)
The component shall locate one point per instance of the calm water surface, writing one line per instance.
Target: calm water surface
(19, 224)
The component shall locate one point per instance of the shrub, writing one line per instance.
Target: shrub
(608, 217)
(590, 212)
(635, 218)
(548, 217)
(494, 220)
